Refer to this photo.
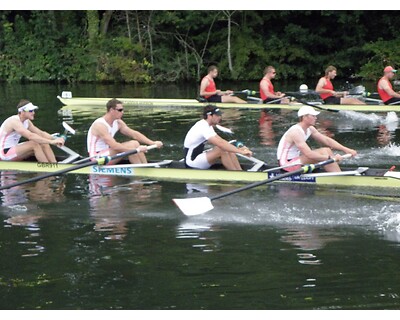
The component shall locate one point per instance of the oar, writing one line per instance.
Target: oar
(318, 107)
(99, 161)
(247, 92)
(200, 205)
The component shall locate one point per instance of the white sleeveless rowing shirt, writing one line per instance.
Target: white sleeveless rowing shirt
(10, 139)
(96, 144)
(287, 150)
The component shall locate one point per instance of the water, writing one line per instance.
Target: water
(79, 242)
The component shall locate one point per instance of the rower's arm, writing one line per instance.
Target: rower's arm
(100, 131)
(203, 85)
(305, 150)
(227, 147)
(331, 143)
(136, 135)
(39, 132)
(265, 88)
(32, 136)
(385, 86)
(320, 87)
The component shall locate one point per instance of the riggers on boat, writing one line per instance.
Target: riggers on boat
(168, 170)
(254, 104)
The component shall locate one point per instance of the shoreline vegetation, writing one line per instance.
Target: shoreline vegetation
(174, 46)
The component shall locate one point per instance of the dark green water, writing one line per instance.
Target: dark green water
(81, 242)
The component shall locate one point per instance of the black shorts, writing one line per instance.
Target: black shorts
(332, 100)
(393, 100)
(215, 98)
(269, 100)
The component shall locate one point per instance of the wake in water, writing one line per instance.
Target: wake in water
(306, 208)
(359, 119)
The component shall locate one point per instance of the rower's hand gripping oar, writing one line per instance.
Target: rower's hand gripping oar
(98, 161)
(200, 205)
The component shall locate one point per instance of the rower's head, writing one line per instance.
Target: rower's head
(389, 72)
(212, 114)
(308, 115)
(115, 108)
(26, 109)
(331, 72)
(212, 71)
(270, 72)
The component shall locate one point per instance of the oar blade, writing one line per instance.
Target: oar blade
(68, 128)
(194, 206)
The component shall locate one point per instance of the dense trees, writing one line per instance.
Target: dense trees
(144, 46)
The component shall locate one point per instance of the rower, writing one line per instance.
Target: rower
(20, 125)
(293, 148)
(328, 94)
(202, 132)
(100, 137)
(385, 89)
(209, 91)
(267, 93)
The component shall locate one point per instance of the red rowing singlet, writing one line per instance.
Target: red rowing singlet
(382, 93)
(211, 86)
(270, 89)
(327, 86)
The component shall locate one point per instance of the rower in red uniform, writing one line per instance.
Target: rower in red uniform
(328, 94)
(209, 91)
(267, 93)
(385, 89)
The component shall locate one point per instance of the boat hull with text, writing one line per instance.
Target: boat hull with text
(168, 170)
(193, 103)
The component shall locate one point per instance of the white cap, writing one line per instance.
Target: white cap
(303, 88)
(304, 110)
(28, 107)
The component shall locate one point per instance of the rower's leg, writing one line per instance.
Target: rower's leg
(332, 167)
(228, 159)
(233, 99)
(29, 148)
(48, 152)
(351, 101)
(135, 158)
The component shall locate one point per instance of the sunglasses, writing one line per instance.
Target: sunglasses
(119, 110)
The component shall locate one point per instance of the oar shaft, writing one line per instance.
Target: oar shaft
(99, 161)
(303, 169)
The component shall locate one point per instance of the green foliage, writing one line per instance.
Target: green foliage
(116, 46)
(382, 53)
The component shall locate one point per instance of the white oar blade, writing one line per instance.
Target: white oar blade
(224, 129)
(194, 206)
(68, 128)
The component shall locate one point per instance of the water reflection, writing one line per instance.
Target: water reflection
(113, 204)
(21, 207)
(22, 203)
(308, 240)
(205, 234)
(266, 132)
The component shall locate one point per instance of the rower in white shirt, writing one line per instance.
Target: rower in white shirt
(21, 125)
(202, 132)
(100, 137)
(294, 150)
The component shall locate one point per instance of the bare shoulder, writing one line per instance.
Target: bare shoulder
(322, 81)
(383, 83)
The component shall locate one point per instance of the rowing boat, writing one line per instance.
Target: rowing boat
(193, 103)
(169, 170)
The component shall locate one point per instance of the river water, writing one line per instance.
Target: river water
(80, 242)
